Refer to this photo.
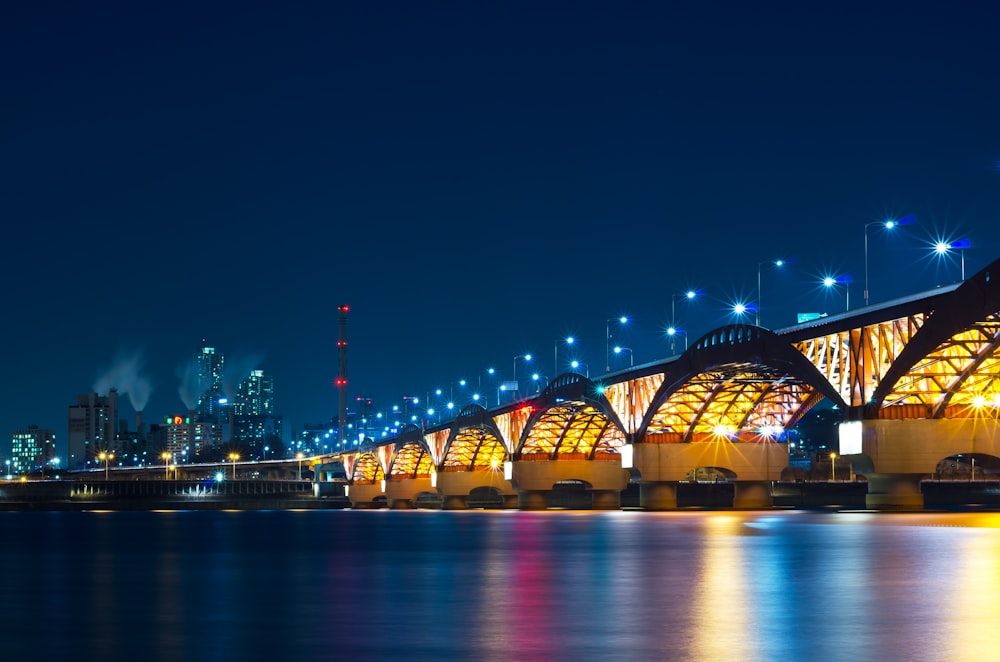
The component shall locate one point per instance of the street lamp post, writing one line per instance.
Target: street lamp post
(672, 329)
(830, 281)
(527, 359)
(299, 456)
(619, 350)
(888, 224)
(165, 456)
(943, 247)
(106, 458)
(833, 467)
(232, 458)
(607, 339)
(777, 263)
(569, 340)
(576, 364)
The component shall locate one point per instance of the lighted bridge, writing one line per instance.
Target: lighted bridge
(917, 378)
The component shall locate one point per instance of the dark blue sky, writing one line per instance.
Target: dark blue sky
(476, 180)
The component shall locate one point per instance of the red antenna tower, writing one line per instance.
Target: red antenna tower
(342, 375)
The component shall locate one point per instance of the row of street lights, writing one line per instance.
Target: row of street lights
(739, 309)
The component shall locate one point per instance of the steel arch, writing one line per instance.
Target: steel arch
(475, 443)
(745, 368)
(367, 469)
(954, 348)
(572, 418)
(412, 458)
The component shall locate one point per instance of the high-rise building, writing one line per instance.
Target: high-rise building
(255, 395)
(210, 364)
(255, 424)
(32, 448)
(93, 423)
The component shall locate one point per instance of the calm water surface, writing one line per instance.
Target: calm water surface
(556, 585)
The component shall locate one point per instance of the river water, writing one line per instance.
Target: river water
(499, 585)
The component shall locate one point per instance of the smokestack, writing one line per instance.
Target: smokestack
(138, 425)
(342, 374)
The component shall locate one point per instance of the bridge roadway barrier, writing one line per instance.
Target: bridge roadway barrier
(161, 494)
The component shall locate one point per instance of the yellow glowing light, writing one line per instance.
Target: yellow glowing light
(979, 401)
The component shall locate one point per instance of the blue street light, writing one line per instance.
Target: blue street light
(775, 263)
(831, 281)
(607, 339)
(619, 350)
(888, 224)
(569, 340)
(527, 359)
(672, 330)
(942, 248)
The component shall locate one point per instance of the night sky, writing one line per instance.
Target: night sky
(477, 180)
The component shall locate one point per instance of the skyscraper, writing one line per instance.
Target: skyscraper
(255, 396)
(254, 423)
(93, 423)
(210, 364)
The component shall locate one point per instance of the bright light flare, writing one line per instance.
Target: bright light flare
(722, 431)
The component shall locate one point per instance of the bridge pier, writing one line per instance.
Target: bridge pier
(606, 480)
(658, 495)
(455, 488)
(363, 495)
(531, 499)
(894, 492)
(753, 494)
(401, 504)
(606, 500)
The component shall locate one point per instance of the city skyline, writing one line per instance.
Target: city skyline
(476, 182)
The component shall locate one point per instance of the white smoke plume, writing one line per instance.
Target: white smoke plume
(187, 373)
(125, 375)
(235, 369)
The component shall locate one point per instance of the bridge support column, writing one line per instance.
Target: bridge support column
(401, 504)
(531, 499)
(894, 492)
(510, 501)
(658, 496)
(753, 494)
(362, 495)
(606, 500)
(453, 502)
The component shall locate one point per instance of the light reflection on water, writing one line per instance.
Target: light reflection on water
(557, 585)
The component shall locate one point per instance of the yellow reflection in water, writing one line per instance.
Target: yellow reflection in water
(972, 604)
(720, 595)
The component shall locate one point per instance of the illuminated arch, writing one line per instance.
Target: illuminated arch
(572, 420)
(367, 469)
(950, 367)
(475, 443)
(412, 458)
(738, 382)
